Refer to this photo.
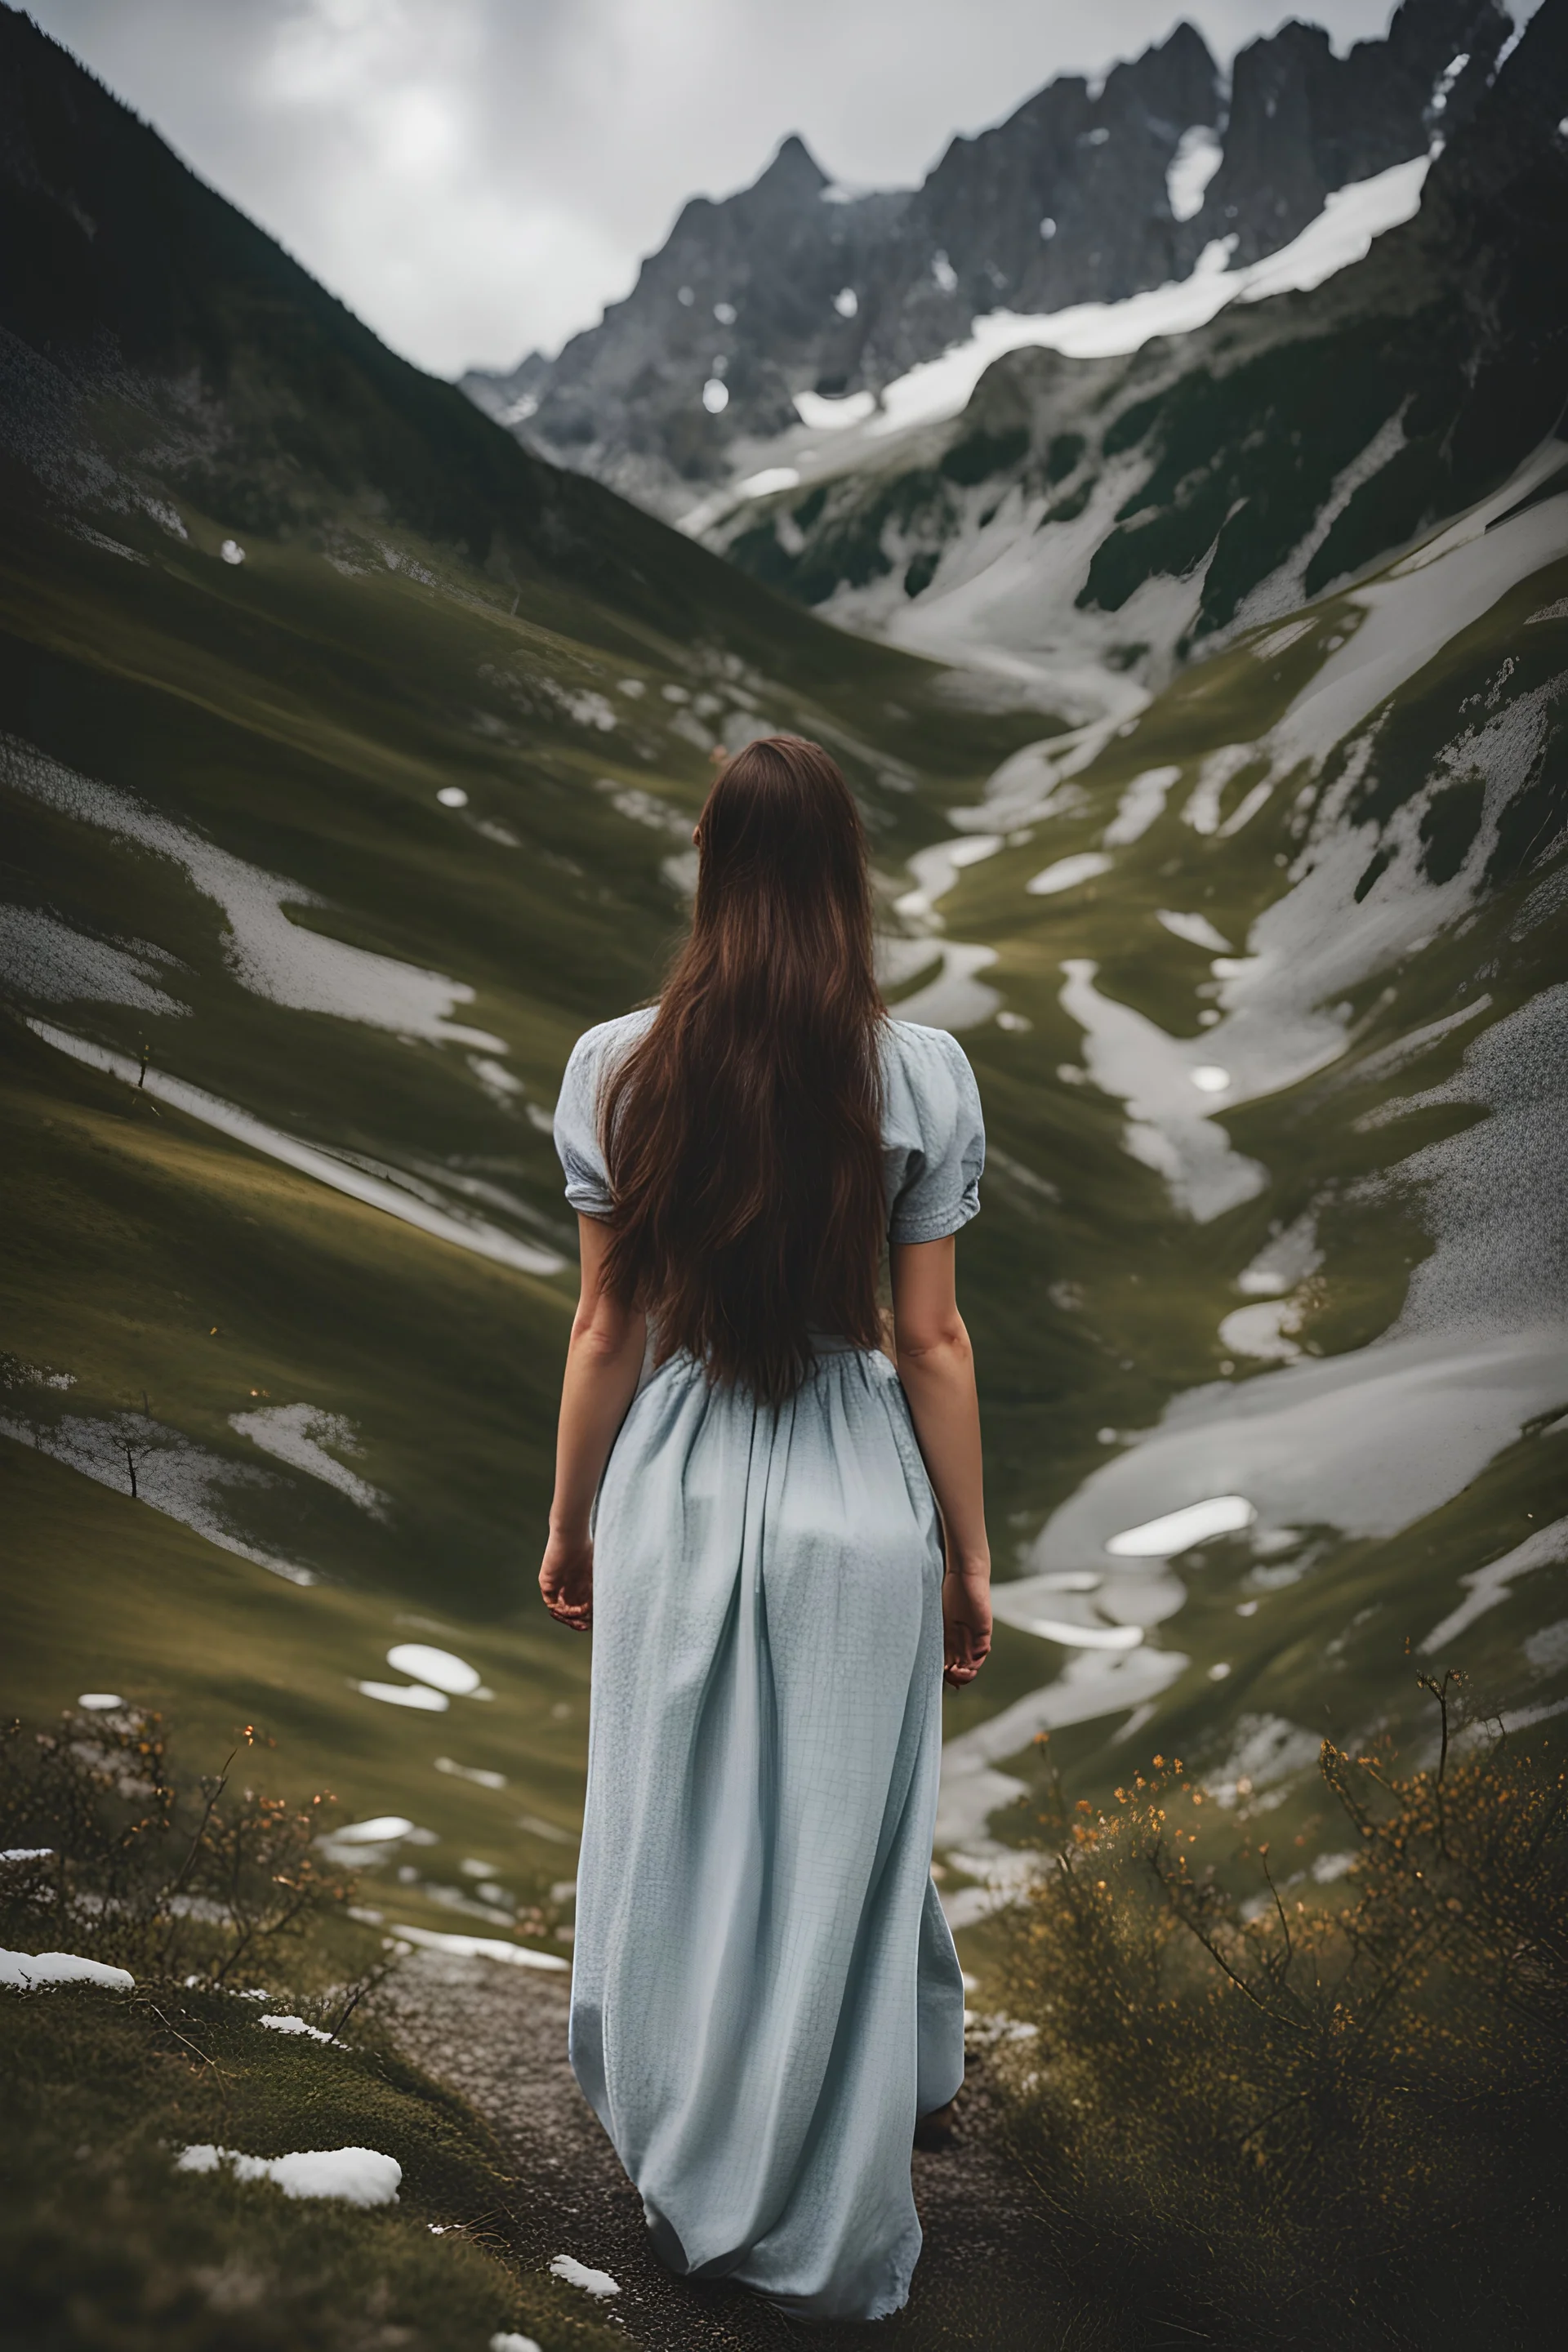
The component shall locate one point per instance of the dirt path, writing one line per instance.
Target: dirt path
(498, 2036)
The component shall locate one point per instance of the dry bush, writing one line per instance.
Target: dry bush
(1340, 2120)
(159, 1871)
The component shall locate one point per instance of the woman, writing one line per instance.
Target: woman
(765, 1996)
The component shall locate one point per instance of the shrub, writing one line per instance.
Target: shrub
(104, 2245)
(155, 1872)
(1291, 2121)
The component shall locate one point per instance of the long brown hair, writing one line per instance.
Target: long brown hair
(742, 1132)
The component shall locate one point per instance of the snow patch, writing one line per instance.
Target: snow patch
(483, 1947)
(598, 2283)
(174, 1474)
(1342, 234)
(439, 1667)
(448, 1224)
(356, 2176)
(1196, 929)
(1163, 1539)
(36, 1971)
(1198, 157)
(1132, 1058)
(295, 2025)
(1068, 872)
(474, 1772)
(299, 1434)
(1093, 1683)
(1141, 805)
(822, 414)
(417, 1695)
(45, 959)
(305, 971)
(770, 481)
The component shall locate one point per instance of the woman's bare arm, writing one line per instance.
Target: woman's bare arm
(603, 1358)
(936, 1365)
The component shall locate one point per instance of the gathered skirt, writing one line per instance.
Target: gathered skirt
(765, 1995)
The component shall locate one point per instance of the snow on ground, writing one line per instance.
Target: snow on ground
(299, 1434)
(36, 1971)
(1067, 874)
(439, 1667)
(174, 1474)
(858, 424)
(1488, 1587)
(45, 959)
(358, 2176)
(482, 1948)
(418, 1696)
(820, 413)
(936, 389)
(1370, 1441)
(1198, 156)
(304, 969)
(575, 2273)
(1423, 602)
(469, 1232)
(1004, 601)
(1282, 1004)
(1342, 234)
(295, 2025)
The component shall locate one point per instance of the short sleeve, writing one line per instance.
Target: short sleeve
(577, 1141)
(941, 1188)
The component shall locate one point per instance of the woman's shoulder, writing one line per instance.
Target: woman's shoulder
(924, 1057)
(607, 1039)
(930, 1092)
(933, 1133)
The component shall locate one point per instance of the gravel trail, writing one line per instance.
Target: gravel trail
(498, 2036)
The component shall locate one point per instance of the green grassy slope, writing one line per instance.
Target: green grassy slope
(227, 868)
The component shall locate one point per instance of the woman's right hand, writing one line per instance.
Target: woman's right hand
(566, 1580)
(966, 1625)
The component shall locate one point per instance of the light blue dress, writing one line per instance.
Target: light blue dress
(764, 1993)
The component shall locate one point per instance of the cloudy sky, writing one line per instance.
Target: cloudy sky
(477, 177)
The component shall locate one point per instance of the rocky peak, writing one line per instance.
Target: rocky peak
(1304, 121)
(793, 288)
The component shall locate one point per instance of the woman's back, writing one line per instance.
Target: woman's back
(932, 1130)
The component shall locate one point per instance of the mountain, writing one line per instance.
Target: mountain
(1094, 521)
(348, 760)
(761, 309)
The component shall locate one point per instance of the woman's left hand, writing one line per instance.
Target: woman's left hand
(566, 1581)
(966, 1623)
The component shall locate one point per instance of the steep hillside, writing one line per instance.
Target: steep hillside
(349, 757)
(348, 762)
(762, 311)
(1091, 521)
